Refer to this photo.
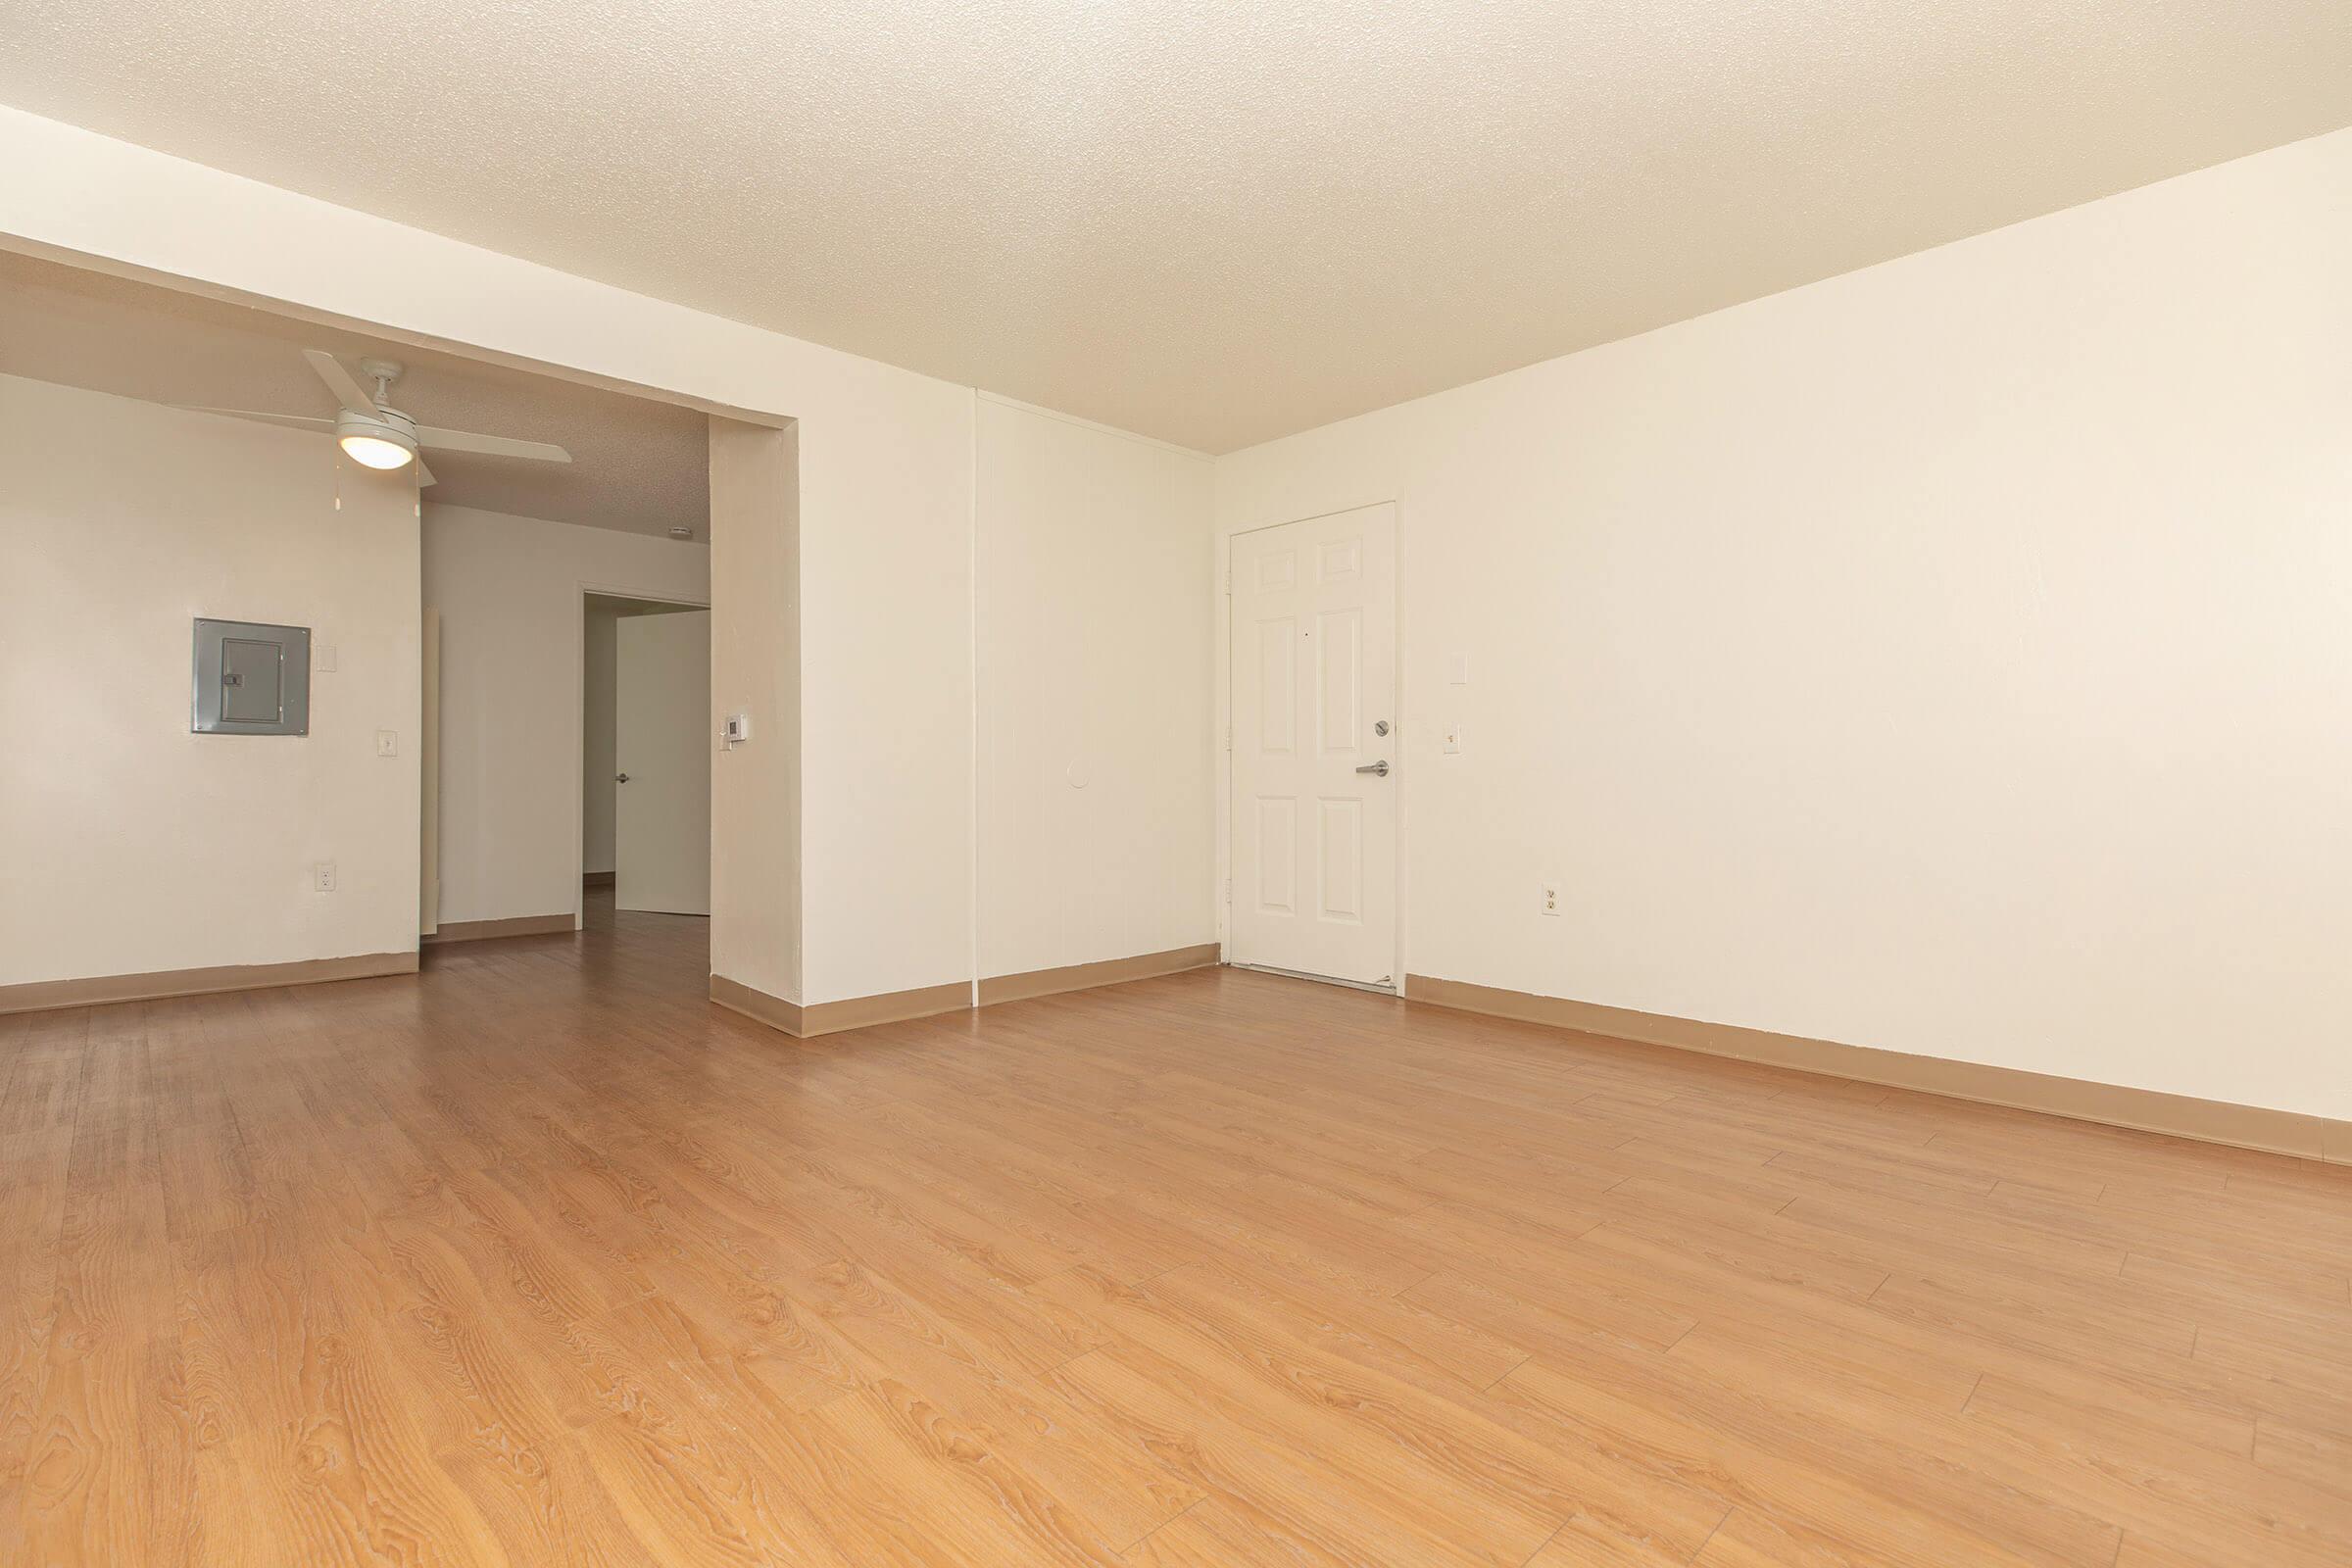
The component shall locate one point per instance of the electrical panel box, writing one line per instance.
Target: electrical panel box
(251, 679)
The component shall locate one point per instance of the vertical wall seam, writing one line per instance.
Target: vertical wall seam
(973, 604)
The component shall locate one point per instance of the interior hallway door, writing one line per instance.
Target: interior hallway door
(1314, 746)
(664, 737)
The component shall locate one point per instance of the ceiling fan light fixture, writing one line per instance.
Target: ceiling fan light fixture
(386, 441)
(374, 451)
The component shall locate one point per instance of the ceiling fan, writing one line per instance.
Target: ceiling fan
(372, 432)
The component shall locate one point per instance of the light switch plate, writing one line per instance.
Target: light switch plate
(1457, 669)
(388, 744)
(323, 657)
(1451, 742)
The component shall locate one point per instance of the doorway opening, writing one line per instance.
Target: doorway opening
(436, 796)
(514, 657)
(646, 750)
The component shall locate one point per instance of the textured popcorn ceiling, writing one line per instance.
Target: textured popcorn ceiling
(637, 466)
(1212, 220)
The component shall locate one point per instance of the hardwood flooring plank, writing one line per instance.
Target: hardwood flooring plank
(536, 1257)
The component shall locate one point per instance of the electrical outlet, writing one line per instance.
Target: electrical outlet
(1551, 897)
(322, 877)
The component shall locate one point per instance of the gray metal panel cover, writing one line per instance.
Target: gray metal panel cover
(251, 679)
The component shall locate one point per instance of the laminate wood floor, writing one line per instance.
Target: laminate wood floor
(538, 1259)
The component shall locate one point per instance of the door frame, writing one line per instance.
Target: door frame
(1221, 740)
(429, 793)
(579, 724)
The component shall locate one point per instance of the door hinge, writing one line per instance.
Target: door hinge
(1229, 737)
(1229, 890)
(1228, 579)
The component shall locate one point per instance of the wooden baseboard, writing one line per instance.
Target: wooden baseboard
(598, 879)
(519, 925)
(1085, 976)
(756, 1004)
(892, 1006)
(2212, 1121)
(805, 1021)
(42, 995)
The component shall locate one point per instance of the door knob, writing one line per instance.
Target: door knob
(620, 778)
(1381, 767)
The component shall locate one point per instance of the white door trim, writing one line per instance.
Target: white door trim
(1221, 742)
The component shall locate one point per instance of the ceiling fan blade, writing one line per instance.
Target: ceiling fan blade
(425, 475)
(499, 446)
(299, 421)
(340, 381)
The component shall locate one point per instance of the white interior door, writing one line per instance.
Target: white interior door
(663, 740)
(1315, 711)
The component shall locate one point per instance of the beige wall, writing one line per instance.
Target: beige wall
(127, 845)
(1955, 656)
(756, 815)
(1096, 799)
(509, 590)
(885, 625)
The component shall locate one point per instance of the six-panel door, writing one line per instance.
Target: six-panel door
(1314, 706)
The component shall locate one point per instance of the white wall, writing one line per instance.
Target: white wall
(1955, 656)
(127, 845)
(509, 590)
(1095, 800)
(600, 755)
